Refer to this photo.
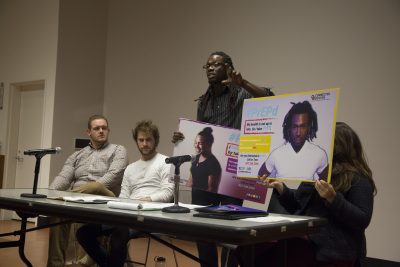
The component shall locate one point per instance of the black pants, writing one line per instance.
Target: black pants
(208, 250)
(295, 252)
(114, 257)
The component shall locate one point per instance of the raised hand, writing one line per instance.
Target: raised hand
(234, 77)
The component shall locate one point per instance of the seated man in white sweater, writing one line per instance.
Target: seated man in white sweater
(146, 179)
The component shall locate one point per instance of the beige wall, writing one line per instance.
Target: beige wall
(146, 58)
(155, 50)
(28, 46)
(80, 72)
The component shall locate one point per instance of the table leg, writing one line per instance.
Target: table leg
(282, 245)
(21, 242)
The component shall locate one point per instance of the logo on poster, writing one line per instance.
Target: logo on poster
(266, 111)
(320, 96)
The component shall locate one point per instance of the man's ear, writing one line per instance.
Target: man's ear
(88, 132)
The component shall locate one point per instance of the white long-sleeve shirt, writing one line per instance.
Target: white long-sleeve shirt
(148, 178)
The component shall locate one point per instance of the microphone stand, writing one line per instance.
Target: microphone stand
(176, 208)
(38, 156)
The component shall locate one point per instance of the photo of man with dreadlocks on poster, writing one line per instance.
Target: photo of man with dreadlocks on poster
(300, 127)
(288, 136)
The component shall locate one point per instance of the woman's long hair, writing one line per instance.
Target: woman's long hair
(348, 159)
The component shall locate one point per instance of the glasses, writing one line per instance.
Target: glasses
(214, 65)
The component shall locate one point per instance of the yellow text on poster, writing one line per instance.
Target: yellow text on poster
(255, 144)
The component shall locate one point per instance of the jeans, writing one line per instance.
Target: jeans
(59, 235)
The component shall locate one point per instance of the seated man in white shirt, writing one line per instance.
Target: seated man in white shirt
(298, 157)
(147, 179)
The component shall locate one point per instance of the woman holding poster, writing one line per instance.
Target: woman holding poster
(346, 204)
(206, 170)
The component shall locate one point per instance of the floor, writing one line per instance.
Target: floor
(37, 245)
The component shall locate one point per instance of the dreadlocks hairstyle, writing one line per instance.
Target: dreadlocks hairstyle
(348, 159)
(147, 127)
(301, 108)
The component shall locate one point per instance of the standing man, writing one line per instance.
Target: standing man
(298, 158)
(222, 104)
(96, 169)
(147, 179)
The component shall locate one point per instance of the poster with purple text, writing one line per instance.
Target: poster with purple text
(214, 151)
(288, 137)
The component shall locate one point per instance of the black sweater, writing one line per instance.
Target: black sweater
(343, 238)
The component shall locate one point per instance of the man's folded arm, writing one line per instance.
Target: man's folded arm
(65, 178)
(114, 174)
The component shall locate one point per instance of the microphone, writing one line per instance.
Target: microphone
(179, 159)
(43, 151)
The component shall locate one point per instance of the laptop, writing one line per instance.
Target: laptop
(229, 212)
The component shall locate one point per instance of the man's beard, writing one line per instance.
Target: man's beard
(150, 152)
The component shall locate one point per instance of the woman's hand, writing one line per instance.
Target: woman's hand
(325, 190)
(272, 183)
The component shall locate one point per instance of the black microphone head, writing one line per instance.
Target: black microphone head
(179, 159)
(186, 158)
(43, 151)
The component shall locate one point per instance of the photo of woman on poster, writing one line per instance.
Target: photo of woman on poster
(205, 172)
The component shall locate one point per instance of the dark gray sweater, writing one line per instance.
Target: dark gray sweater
(343, 238)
